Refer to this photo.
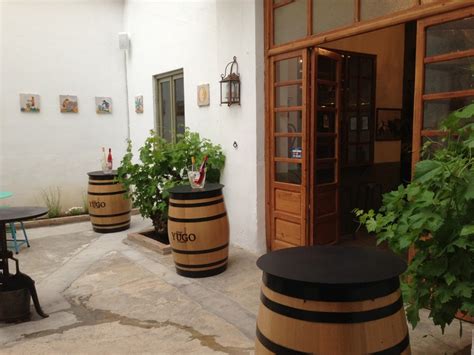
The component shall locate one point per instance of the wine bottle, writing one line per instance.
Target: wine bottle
(109, 161)
(103, 160)
(202, 171)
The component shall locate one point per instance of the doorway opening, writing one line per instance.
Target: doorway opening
(374, 128)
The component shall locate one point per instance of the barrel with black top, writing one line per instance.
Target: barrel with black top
(198, 230)
(109, 208)
(331, 300)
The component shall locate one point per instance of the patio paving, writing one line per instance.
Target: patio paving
(109, 296)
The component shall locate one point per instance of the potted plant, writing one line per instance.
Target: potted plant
(160, 166)
(192, 145)
(434, 215)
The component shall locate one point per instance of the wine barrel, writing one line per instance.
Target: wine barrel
(331, 300)
(109, 208)
(198, 230)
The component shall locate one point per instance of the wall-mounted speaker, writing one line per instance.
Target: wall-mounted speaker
(124, 40)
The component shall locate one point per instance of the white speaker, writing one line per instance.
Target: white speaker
(124, 40)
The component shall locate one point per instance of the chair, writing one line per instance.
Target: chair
(16, 242)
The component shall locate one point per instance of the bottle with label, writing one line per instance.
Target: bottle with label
(103, 160)
(109, 161)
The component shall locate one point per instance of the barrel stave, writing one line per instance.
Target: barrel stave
(198, 230)
(331, 338)
(109, 209)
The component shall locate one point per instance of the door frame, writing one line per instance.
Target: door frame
(425, 11)
(313, 189)
(287, 190)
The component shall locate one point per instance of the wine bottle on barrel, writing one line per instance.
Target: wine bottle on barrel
(109, 161)
(202, 172)
(103, 160)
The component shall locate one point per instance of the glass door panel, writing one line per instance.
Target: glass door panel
(288, 122)
(165, 108)
(325, 146)
(287, 150)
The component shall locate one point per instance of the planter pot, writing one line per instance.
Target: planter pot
(144, 239)
(15, 305)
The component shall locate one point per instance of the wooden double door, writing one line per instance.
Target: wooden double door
(304, 148)
(304, 107)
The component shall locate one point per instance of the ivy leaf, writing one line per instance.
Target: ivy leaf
(468, 307)
(469, 195)
(465, 112)
(426, 170)
(443, 295)
(412, 315)
(467, 230)
(450, 278)
(463, 289)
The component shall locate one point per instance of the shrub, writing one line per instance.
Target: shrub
(434, 213)
(52, 199)
(162, 165)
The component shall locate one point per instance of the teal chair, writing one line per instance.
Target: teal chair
(16, 242)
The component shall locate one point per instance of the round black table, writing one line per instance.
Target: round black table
(102, 175)
(15, 288)
(331, 300)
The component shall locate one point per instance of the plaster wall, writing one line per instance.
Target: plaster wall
(201, 37)
(51, 48)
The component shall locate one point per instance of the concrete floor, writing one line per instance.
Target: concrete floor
(110, 297)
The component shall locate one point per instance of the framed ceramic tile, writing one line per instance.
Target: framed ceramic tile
(30, 103)
(103, 104)
(139, 104)
(68, 103)
(203, 95)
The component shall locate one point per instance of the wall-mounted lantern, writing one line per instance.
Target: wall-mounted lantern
(230, 84)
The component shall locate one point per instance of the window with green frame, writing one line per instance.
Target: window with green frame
(169, 105)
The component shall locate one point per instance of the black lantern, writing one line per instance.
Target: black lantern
(230, 84)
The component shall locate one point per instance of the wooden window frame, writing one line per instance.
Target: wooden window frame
(416, 12)
(157, 81)
(421, 61)
(419, 11)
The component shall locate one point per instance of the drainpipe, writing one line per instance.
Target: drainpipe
(124, 44)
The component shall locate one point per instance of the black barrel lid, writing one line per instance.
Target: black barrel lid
(100, 175)
(332, 264)
(186, 192)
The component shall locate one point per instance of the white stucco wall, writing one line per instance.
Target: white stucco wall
(201, 37)
(51, 48)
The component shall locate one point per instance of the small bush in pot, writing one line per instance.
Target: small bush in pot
(160, 166)
(435, 215)
(192, 145)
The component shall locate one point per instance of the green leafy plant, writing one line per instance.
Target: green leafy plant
(85, 203)
(434, 214)
(192, 145)
(52, 199)
(162, 165)
(75, 211)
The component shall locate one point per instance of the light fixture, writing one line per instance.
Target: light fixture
(230, 84)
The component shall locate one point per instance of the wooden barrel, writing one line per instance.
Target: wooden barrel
(198, 230)
(109, 209)
(331, 300)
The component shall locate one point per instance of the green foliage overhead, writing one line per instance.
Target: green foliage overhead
(162, 165)
(435, 214)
